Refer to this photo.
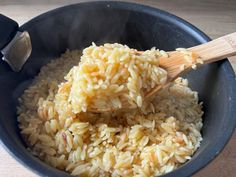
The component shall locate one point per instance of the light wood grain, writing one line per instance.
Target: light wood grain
(215, 17)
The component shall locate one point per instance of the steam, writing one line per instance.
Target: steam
(100, 26)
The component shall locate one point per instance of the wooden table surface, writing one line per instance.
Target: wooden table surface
(214, 17)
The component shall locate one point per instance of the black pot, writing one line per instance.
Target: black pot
(77, 26)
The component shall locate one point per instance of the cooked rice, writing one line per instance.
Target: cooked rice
(150, 141)
(109, 76)
(190, 57)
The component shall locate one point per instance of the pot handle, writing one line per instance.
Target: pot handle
(8, 29)
(15, 46)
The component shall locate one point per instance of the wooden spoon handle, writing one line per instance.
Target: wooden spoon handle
(217, 49)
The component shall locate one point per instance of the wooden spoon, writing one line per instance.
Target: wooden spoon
(176, 63)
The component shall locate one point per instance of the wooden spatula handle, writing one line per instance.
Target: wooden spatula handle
(217, 49)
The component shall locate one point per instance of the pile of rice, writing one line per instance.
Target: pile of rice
(143, 142)
(110, 76)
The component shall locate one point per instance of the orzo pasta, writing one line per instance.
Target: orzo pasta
(152, 140)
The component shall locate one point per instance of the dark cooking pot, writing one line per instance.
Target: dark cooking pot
(138, 26)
